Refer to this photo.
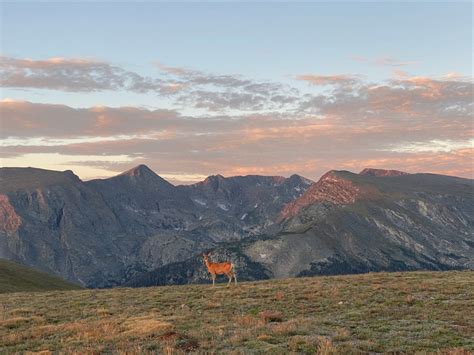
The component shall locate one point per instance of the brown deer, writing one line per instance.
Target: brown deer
(225, 268)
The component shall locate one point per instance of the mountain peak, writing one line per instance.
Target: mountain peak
(333, 187)
(382, 172)
(299, 178)
(213, 179)
(142, 174)
(12, 179)
(139, 171)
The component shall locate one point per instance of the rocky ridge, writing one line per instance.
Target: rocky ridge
(102, 232)
(355, 223)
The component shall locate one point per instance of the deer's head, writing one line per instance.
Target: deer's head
(206, 256)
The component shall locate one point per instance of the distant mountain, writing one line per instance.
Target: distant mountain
(378, 220)
(103, 232)
(350, 223)
(230, 208)
(138, 229)
(18, 278)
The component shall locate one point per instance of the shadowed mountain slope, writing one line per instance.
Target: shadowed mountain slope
(101, 233)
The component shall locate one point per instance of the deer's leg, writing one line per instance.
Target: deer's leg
(213, 279)
(229, 275)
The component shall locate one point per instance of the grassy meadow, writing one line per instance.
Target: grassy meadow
(378, 312)
(15, 278)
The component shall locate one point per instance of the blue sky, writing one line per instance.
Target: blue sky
(265, 40)
(333, 63)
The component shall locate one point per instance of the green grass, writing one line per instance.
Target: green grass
(15, 277)
(380, 312)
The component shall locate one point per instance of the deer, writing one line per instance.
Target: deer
(226, 268)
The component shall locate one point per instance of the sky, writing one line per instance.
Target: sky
(196, 89)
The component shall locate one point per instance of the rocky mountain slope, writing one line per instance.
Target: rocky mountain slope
(377, 220)
(101, 233)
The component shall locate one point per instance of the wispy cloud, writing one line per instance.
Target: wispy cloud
(71, 74)
(385, 61)
(433, 146)
(193, 88)
(342, 79)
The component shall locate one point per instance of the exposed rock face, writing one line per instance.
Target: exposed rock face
(9, 220)
(230, 208)
(65, 227)
(331, 188)
(101, 233)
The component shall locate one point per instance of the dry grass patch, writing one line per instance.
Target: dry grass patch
(264, 337)
(21, 312)
(342, 334)
(284, 328)
(142, 327)
(16, 322)
(103, 312)
(303, 343)
(325, 346)
(90, 331)
(279, 296)
(456, 351)
(248, 321)
(271, 316)
(213, 305)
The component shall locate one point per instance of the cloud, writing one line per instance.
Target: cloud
(26, 119)
(403, 124)
(393, 62)
(74, 75)
(433, 146)
(342, 79)
(408, 100)
(193, 88)
(246, 127)
(198, 78)
(217, 93)
(385, 61)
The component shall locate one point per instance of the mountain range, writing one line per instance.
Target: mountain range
(137, 229)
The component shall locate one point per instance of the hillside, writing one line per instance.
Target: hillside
(18, 278)
(381, 312)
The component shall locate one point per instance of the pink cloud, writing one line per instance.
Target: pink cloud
(341, 79)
